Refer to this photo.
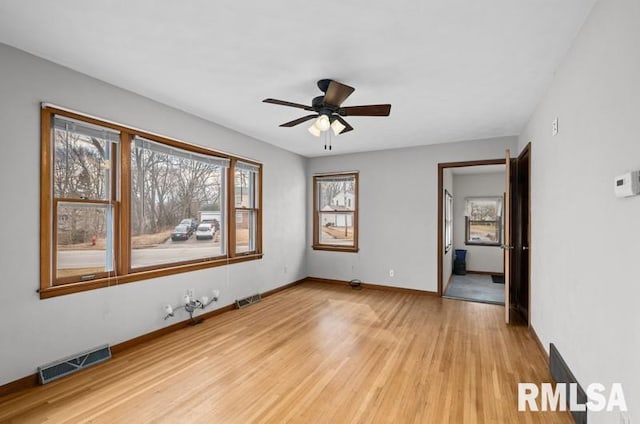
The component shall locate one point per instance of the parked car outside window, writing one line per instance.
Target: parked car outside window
(204, 232)
(181, 232)
(191, 223)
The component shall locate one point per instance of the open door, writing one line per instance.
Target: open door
(521, 235)
(506, 246)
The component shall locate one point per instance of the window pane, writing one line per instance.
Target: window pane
(84, 235)
(337, 195)
(245, 231)
(82, 162)
(245, 189)
(336, 228)
(483, 220)
(483, 209)
(173, 193)
(484, 232)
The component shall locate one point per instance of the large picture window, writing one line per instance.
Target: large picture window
(177, 205)
(483, 221)
(121, 205)
(335, 220)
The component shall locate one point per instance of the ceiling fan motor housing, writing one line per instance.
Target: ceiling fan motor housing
(317, 103)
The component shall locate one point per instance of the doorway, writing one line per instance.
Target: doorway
(515, 239)
(473, 211)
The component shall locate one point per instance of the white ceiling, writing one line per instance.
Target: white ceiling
(452, 69)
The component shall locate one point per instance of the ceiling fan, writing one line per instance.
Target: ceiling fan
(328, 109)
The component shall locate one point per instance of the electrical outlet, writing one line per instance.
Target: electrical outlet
(190, 293)
(216, 294)
(392, 273)
(554, 126)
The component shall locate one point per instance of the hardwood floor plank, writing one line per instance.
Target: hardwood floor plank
(315, 353)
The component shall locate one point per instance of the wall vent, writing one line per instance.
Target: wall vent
(243, 303)
(74, 363)
(562, 374)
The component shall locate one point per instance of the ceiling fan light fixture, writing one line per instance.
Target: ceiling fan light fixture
(314, 130)
(337, 127)
(327, 109)
(322, 123)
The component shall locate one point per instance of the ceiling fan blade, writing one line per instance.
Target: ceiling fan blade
(345, 123)
(368, 110)
(298, 121)
(337, 93)
(285, 103)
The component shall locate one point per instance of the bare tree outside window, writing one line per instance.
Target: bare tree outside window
(83, 156)
(483, 221)
(121, 205)
(171, 187)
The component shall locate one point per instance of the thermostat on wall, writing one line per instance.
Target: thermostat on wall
(628, 184)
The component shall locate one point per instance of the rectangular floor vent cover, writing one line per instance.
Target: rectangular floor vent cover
(66, 366)
(562, 374)
(243, 303)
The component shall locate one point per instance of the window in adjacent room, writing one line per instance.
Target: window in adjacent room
(448, 221)
(483, 221)
(335, 218)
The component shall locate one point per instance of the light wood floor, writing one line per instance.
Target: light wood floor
(313, 353)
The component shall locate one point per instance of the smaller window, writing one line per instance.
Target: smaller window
(247, 207)
(448, 221)
(84, 200)
(335, 218)
(483, 221)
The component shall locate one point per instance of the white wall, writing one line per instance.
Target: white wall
(585, 242)
(398, 212)
(447, 257)
(34, 331)
(479, 258)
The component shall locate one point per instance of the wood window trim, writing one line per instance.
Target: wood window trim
(50, 287)
(328, 247)
(60, 290)
(257, 209)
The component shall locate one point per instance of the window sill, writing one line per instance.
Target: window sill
(65, 289)
(335, 248)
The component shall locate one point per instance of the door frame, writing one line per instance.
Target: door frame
(441, 168)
